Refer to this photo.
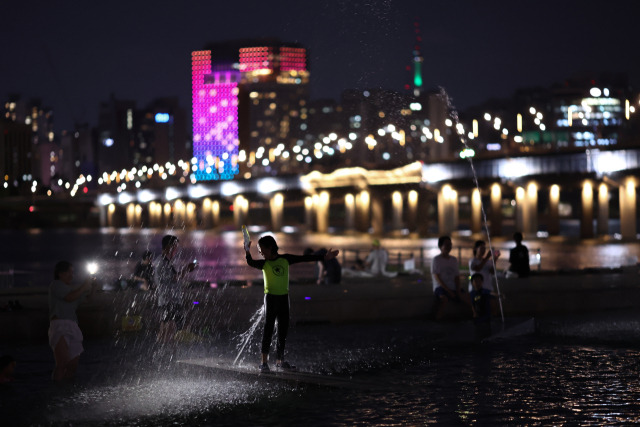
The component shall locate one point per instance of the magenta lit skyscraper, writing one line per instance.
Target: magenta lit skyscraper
(249, 106)
(215, 119)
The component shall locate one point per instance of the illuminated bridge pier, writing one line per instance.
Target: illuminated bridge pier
(530, 194)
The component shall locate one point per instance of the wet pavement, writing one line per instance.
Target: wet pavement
(411, 365)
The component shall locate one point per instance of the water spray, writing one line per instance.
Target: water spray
(255, 321)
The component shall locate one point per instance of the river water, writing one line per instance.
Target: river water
(403, 372)
(28, 256)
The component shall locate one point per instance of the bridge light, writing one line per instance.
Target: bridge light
(595, 92)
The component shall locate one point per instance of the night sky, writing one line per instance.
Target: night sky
(74, 56)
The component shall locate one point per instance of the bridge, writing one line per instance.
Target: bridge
(534, 193)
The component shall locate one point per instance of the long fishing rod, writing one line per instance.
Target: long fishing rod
(454, 116)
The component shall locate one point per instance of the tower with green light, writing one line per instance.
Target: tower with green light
(417, 61)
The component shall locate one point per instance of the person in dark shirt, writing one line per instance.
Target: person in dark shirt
(329, 271)
(518, 258)
(481, 302)
(480, 299)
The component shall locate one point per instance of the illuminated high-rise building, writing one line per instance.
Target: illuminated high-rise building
(249, 107)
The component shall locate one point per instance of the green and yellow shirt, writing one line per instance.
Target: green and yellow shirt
(276, 271)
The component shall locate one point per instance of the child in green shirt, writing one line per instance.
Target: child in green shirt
(275, 271)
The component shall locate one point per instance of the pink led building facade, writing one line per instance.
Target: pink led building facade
(215, 120)
(256, 58)
(293, 59)
(218, 74)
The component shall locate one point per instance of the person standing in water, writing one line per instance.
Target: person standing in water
(275, 271)
(65, 337)
(170, 282)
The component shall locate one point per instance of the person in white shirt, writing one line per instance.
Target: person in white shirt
(65, 337)
(445, 274)
(376, 261)
(483, 263)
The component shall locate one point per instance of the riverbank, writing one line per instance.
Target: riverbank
(230, 305)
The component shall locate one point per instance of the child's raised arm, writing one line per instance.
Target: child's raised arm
(331, 254)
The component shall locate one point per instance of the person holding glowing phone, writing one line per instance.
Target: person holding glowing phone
(65, 336)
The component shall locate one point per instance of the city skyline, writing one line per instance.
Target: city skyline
(352, 45)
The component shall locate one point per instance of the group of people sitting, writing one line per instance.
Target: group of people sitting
(482, 294)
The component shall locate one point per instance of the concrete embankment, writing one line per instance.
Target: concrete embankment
(229, 307)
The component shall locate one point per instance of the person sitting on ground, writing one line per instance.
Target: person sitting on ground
(482, 301)
(376, 261)
(143, 273)
(518, 258)
(445, 275)
(329, 271)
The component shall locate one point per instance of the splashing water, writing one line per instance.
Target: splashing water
(246, 336)
(453, 112)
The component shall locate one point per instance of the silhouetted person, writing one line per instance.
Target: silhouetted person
(518, 258)
(330, 271)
